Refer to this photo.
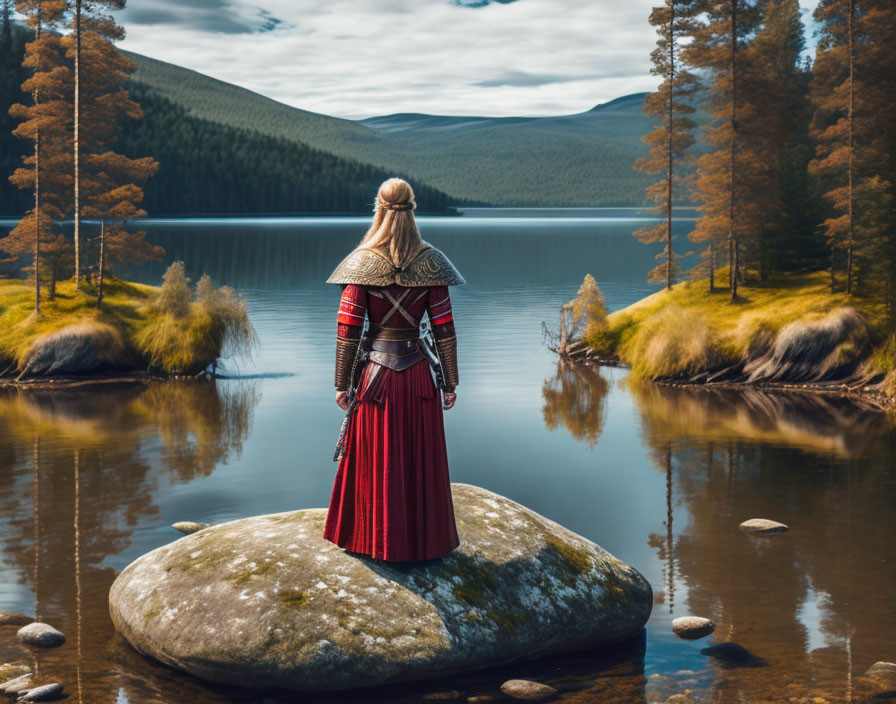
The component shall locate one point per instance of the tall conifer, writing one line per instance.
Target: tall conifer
(45, 123)
(672, 137)
(719, 47)
(835, 125)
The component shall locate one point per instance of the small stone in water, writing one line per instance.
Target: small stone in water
(17, 686)
(692, 627)
(44, 693)
(41, 635)
(187, 527)
(481, 699)
(883, 674)
(11, 618)
(762, 526)
(527, 689)
(679, 699)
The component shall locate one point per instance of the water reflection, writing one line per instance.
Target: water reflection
(819, 423)
(79, 483)
(576, 398)
(799, 614)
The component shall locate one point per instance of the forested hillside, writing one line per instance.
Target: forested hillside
(207, 166)
(573, 160)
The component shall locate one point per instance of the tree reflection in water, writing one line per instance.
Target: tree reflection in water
(576, 397)
(812, 607)
(77, 483)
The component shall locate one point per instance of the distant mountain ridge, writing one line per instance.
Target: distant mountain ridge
(583, 159)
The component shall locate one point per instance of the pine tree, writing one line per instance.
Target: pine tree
(107, 182)
(774, 116)
(672, 137)
(835, 122)
(876, 128)
(5, 18)
(719, 46)
(45, 123)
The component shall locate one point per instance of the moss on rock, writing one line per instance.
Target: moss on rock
(267, 601)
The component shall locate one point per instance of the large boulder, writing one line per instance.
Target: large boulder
(86, 347)
(266, 601)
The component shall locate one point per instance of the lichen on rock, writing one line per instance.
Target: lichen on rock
(267, 601)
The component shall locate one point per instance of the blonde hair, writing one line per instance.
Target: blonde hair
(394, 231)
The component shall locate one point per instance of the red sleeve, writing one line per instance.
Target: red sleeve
(438, 306)
(352, 309)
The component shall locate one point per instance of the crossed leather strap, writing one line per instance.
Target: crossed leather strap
(397, 307)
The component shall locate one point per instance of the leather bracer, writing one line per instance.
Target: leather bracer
(446, 341)
(346, 350)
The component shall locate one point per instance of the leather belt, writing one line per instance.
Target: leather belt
(395, 354)
(375, 332)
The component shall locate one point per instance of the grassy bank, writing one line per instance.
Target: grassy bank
(169, 329)
(785, 331)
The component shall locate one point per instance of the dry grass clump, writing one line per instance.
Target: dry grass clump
(186, 334)
(674, 342)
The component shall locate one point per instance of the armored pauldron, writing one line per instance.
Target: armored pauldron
(367, 267)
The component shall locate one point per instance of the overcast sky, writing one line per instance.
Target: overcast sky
(359, 58)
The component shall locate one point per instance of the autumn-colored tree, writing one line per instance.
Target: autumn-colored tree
(106, 183)
(836, 127)
(719, 47)
(672, 137)
(45, 123)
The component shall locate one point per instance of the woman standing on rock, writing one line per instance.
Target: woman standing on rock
(392, 495)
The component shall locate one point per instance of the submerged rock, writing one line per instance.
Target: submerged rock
(266, 601)
(762, 526)
(883, 674)
(44, 693)
(527, 690)
(9, 671)
(188, 527)
(17, 686)
(11, 618)
(733, 655)
(692, 627)
(41, 635)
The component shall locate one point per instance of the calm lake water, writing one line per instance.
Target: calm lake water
(661, 477)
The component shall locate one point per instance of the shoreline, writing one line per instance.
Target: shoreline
(857, 391)
(71, 381)
(791, 335)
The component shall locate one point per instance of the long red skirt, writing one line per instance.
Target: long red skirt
(392, 495)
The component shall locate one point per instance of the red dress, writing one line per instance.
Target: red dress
(392, 495)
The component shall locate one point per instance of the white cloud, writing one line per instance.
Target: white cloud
(359, 58)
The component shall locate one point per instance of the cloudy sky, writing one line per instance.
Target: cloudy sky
(359, 58)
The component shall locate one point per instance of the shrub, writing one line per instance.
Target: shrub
(187, 335)
(175, 296)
